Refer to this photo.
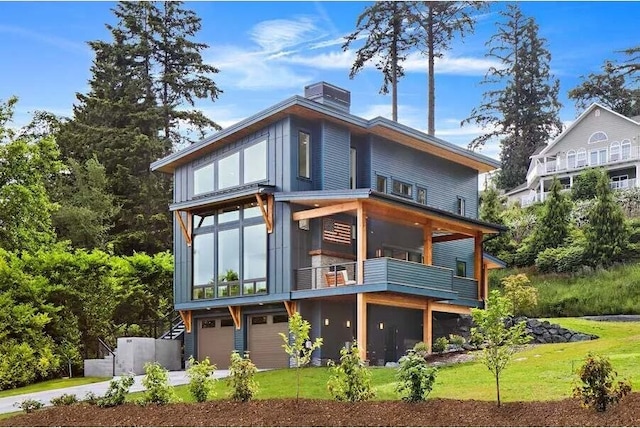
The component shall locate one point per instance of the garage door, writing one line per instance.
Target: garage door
(265, 344)
(215, 340)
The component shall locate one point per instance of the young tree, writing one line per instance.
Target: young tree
(438, 23)
(553, 227)
(522, 106)
(384, 25)
(501, 342)
(491, 209)
(606, 234)
(298, 345)
(585, 184)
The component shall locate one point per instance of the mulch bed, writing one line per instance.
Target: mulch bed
(436, 412)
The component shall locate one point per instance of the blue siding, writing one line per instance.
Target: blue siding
(467, 288)
(446, 253)
(335, 157)
(189, 345)
(443, 179)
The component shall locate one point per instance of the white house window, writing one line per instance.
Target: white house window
(620, 182)
(571, 159)
(581, 158)
(614, 151)
(598, 137)
(626, 149)
(598, 157)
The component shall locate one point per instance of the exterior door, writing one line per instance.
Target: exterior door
(215, 340)
(265, 344)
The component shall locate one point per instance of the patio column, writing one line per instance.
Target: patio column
(361, 236)
(427, 232)
(427, 328)
(361, 321)
(477, 266)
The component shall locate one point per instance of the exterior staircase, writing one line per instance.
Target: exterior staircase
(175, 331)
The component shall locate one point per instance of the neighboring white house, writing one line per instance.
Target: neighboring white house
(599, 137)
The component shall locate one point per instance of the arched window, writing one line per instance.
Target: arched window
(598, 137)
(614, 152)
(571, 159)
(626, 149)
(581, 158)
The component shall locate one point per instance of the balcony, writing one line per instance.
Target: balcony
(412, 277)
(629, 183)
(560, 164)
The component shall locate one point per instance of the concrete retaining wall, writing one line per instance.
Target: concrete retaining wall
(133, 353)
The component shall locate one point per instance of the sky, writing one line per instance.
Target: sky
(268, 51)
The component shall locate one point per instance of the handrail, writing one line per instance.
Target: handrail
(113, 354)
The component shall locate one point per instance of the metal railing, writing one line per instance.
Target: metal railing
(313, 278)
(561, 163)
(103, 345)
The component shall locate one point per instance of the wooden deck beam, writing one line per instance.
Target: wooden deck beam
(450, 309)
(325, 211)
(387, 299)
(185, 228)
(267, 214)
(451, 237)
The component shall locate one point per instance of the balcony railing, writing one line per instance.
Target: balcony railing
(552, 166)
(630, 183)
(313, 278)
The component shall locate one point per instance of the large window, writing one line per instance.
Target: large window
(614, 151)
(581, 158)
(571, 159)
(255, 162)
(203, 179)
(229, 171)
(304, 155)
(598, 157)
(229, 253)
(626, 149)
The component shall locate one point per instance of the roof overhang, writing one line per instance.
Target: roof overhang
(218, 198)
(312, 110)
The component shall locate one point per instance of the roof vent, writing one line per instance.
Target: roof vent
(329, 95)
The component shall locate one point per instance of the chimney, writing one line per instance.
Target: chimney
(329, 95)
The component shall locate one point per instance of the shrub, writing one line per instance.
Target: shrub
(90, 398)
(440, 345)
(201, 380)
(117, 392)
(351, 379)
(64, 400)
(561, 260)
(415, 377)
(598, 388)
(30, 405)
(156, 380)
(421, 347)
(456, 340)
(241, 378)
(519, 291)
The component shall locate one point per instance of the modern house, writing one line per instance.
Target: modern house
(368, 228)
(599, 138)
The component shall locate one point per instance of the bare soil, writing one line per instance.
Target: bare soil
(436, 412)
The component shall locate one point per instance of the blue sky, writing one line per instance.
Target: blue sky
(268, 51)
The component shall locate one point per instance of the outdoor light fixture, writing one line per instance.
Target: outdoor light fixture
(348, 323)
(381, 326)
(326, 321)
(303, 224)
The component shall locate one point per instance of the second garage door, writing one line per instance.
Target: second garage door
(265, 344)
(215, 340)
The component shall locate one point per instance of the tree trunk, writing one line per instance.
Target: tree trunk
(498, 388)
(394, 66)
(431, 126)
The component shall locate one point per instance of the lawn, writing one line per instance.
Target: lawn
(538, 373)
(48, 385)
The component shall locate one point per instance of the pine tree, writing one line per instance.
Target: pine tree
(553, 227)
(491, 208)
(522, 107)
(607, 234)
(439, 22)
(387, 42)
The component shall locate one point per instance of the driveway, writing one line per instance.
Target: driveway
(98, 388)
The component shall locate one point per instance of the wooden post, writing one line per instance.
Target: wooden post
(427, 327)
(361, 321)
(427, 232)
(485, 280)
(361, 241)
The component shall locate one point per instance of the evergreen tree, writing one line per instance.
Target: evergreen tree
(522, 106)
(439, 22)
(491, 208)
(585, 184)
(606, 234)
(553, 227)
(613, 88)
(384, 25)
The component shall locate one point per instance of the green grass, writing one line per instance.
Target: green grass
(613, 291)
(542, 372)
(51, 384)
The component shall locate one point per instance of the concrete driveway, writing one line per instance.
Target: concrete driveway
(99, 389)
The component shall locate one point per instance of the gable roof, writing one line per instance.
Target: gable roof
(310, 109)
(579, 119)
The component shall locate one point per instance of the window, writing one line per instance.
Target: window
(402, 254)
(229, 171)
(381, 183)
(461, 206)
(209, 324)
(258, 320)
(255, 254)
(626, 149)
(614, 152)
(304, 155)
(598, 157)
(203, 179)
(581, 158)
(203, 221)
(228, 262)
(620, 182)
(598, 137)
(352, 168)
(203, 275)
(255, 162)
(280, 319)
(401, 188)
(227, 322)
(229, 214)
(422, 196)
(571, 159)
(461, 268)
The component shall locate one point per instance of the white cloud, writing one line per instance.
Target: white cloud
(57, 42)
(277, 34)
(334, 60)
(417, 62)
